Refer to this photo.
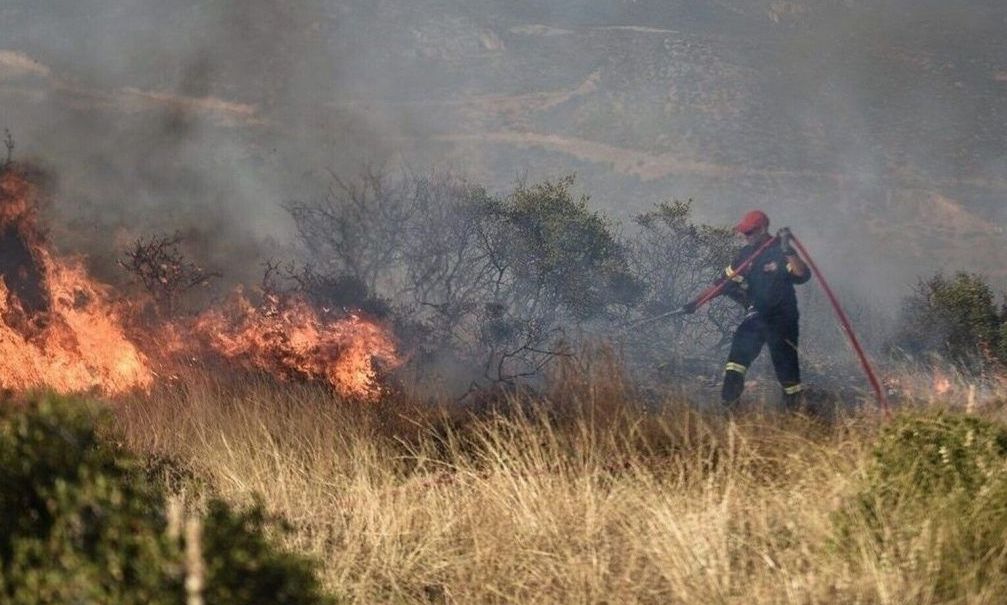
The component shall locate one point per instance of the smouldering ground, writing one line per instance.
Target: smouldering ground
(580, 497)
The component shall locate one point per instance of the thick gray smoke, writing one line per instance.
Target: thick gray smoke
(875, 129)
(194, 116)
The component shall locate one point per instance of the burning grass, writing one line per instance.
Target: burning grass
(63, 330)
(580, 494)
(586, 491)
(59, 329)
(288, 338)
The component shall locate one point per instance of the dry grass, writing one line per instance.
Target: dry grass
(582, 495)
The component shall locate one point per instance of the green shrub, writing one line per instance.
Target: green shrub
(956, 318)
(938, 481)
(938, 456)
(243, 566)
(675, 259)
(563, 253)
(81, 523)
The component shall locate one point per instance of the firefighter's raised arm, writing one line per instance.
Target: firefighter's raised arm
(796, 267)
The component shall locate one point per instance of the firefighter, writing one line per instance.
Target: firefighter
(767, 291)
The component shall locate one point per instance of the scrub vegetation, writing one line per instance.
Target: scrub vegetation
(83, 521)
(565, 473)
(584, 493)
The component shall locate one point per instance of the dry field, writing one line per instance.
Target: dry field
(580, 495)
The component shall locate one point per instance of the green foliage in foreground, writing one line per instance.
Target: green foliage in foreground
(81, 523)
(934, 495)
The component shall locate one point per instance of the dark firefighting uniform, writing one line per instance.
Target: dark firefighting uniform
(767, 291)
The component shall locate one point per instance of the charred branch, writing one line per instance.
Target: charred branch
(8, 141)
(158, 264)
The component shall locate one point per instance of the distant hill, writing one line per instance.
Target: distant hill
(890, 110)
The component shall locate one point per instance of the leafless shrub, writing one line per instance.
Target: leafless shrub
(676, 258)
(325, 291)
(494, 282)
(158, 264)
(356, 229)
(8, 141)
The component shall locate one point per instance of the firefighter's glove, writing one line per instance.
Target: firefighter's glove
(786, 241)
(689, 308)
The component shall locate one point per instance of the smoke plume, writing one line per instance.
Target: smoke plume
(874, 129)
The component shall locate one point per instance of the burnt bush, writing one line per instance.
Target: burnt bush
(325, 291)
(165, 272)
(675, 258)
(497, 283)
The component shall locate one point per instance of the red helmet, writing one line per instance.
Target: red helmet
(752, 221)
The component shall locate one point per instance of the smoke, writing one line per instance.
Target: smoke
(895, 100)
(191, 116)
(873, 128)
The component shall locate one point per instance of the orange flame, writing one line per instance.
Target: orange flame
(58, 329)
(62, 330)
(942, 384)
(290, 339)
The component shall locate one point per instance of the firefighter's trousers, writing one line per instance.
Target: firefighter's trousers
(778, 330)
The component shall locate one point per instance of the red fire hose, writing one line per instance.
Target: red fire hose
(708, 294)
(844, 322)
(717, 289)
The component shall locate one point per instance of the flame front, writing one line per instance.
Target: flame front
(58, 328)
(290, 339)
(62, 330)
(942, 384)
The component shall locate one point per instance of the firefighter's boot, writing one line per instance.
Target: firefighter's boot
(793, 397)
(734, 384)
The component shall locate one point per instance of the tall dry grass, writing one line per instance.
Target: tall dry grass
(580, 495)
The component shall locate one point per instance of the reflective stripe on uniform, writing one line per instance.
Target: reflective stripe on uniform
(735, 367)
(793, 389)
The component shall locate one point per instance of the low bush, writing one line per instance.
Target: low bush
(934, 497)
(80, 522)
(956, 318)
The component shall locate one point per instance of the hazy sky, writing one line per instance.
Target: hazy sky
(876, 129)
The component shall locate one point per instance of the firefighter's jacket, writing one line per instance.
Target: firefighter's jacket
(768, 284)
